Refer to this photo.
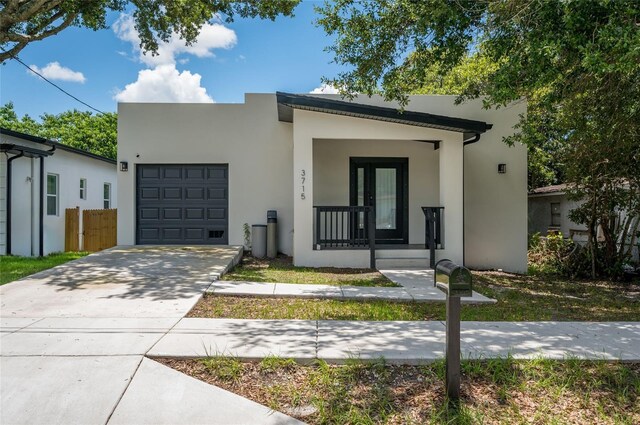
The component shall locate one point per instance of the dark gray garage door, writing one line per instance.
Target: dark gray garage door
(182, 204)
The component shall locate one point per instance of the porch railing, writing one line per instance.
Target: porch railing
(433, 231)
(346, 227)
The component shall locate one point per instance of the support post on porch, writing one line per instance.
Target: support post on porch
(451, 198)
(372, 237)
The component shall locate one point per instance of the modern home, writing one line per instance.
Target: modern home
(355, 183)
(41, 178)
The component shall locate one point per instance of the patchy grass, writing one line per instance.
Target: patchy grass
(282, 270)
(520, 298)
(14, 267)
(493, 391)
(313, 309)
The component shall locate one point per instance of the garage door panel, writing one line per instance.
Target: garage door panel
(182, 204)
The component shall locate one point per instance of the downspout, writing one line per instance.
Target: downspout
(8, 224)
(31, 204)
(474, 139)
(41, 217)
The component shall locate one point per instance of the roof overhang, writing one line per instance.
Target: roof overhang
(288, 102)
(24, 150)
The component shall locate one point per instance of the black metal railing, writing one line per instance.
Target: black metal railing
(433, 231)
(346, 227)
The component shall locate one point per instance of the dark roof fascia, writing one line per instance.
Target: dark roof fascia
(287, 102)
(25, 150)
(55, 144)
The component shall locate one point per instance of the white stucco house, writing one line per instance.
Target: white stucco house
(349, 179)
(40, 178)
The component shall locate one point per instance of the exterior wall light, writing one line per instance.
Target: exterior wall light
(502, 168)
(124, 166)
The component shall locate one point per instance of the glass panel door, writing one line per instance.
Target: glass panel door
(386, 198)
(382, 183)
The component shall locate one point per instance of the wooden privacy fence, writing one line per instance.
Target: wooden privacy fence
(99, 229)
(72, 229)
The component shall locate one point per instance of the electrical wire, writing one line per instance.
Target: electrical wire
(16, 58)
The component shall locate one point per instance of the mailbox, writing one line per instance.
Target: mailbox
(453, 279)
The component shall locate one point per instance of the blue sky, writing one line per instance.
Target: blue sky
(231, 59)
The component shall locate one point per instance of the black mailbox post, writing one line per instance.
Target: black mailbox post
(455, 281)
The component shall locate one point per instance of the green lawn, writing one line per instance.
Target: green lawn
(500, 391)
(520, 298)
(13, 267)
(282, 270)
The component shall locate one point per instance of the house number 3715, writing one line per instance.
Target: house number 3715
(303, 179)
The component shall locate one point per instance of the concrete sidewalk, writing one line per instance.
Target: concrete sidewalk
(416, 286)
(73, 341)
(397, 342)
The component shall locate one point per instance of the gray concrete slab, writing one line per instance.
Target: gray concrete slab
(611, 337)
(62, 390)
(224, 287)
(77, 343)
(102, 325)
(376, 293)
(397, 342)
(139, 281)
(419, 284)
(307, 291)
(554, 340)
(180, 399)
(245, 339)
(12, 324)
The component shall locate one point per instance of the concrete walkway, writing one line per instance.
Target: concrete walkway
(73, 341)
(397, 342)
(416, 286)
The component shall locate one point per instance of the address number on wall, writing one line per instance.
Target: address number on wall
(303, 179)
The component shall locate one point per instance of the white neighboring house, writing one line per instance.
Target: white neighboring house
(196, 173)
(46, 177)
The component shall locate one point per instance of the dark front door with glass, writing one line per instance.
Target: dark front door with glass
(384, 184)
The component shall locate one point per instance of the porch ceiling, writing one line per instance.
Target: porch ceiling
(288, 102)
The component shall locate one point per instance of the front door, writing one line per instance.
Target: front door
(384, 184)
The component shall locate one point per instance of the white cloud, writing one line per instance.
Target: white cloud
(212, 36)
(54, 71)
(165, 84)
(325, 89)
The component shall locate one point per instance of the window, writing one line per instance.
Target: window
(52, 194)
(555, 213)
(83, 188)
(107, 196)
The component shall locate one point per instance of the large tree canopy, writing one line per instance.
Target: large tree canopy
(79, 129)
(576, 63)
(25, 21)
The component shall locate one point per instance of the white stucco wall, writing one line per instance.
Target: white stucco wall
(246, 136)
(266, 158)
(495, 205)
(70, 168)
(331, 173)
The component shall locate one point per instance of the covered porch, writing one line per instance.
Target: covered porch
(372, 185)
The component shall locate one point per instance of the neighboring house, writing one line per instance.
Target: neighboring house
(40, 178)
(197, 172)
(549, 209)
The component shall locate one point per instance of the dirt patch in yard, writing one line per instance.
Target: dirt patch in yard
(282, 270)
(493, 392)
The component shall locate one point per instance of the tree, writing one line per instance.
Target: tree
(79, 129)
(25, 21)
(577, 63)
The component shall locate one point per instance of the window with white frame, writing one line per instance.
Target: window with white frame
(107, 196)
(556, 216)
(83, 188)
(52, 194)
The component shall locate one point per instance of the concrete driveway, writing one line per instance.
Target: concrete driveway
(73, 340)
(132, 282)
